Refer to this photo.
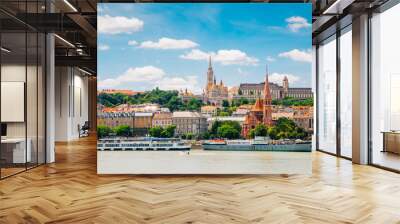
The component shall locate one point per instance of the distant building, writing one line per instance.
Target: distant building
(214, 92)
(209, 111)
(303, 116)
(242, 110)
(261, 112)
(122, 91)
(188, 95)
(113, 120)
(132, 119)
(211, 120)
(145, 108)
(189, 122)
(162, 119)
(255, 91)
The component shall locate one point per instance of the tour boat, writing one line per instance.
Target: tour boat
(143, 144)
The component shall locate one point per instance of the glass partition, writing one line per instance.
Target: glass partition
(327, 95)
(385, 89)
(22, 88)
(346, 92)
(13, 92)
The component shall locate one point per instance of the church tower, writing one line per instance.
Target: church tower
(285, 86)
(267, 112)
(210, 75)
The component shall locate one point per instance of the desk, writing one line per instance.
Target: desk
(391, 141)
(15, 148)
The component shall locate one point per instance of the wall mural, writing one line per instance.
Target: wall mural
(220, 80)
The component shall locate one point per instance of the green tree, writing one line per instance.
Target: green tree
(194, 104)
(103, 131)
(225, 103)
(123, 130)
(216, 131)
(156, 131)
(223, 113)
(168, 131)
(260, 130)
(228, 131)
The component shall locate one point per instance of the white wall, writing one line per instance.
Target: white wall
(71, 102)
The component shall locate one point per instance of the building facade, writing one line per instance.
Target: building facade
(134, 120)
(209, 111)
(189, 122)
(256, 90)
(162, 119)
(214, 92)
(261, 112)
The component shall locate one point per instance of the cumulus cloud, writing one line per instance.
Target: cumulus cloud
(104, 47)
(149, 77)
(298, 55)
(225, 57)
(132, 42)
(165, 43)
(139, 74)
(142, 74)
(179, 83)
(296, 23)
(108, 83)
(119, 24)
(278, 78)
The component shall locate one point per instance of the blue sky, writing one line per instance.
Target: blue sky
(141, 46)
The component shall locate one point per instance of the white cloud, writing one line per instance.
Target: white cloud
(270, 59)
(278, 78)
(104, 47)
(149, 77)
(295, 23)
(298, 55)
(132, 42)
(108, 83)
(225, 57)
(180, 83)
(142, 74)
(165, 43)
(119, 24)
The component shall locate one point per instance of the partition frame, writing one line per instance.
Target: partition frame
(44, 93)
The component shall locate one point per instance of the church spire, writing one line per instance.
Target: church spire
(209, 62)
(267, 113)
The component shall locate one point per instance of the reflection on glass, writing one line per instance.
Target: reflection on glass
(327, 96)
(385, 83)
(13, 85)
(346, 93)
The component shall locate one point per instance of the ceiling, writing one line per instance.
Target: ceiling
(75, 22)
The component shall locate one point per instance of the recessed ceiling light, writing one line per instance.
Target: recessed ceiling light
(5, 50)
(64, 40)
(70, 5)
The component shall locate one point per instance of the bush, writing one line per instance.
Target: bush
(160, 132)
(123, 130)
(103, 131)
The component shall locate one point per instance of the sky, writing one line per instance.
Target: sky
(147, 45)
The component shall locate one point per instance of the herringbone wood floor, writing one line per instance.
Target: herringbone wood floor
(69, 191)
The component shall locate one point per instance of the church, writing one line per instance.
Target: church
(261, 112)
(214, 93)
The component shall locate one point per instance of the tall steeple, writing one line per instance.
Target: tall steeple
(210, 75)
(285, 86)
(267, 113)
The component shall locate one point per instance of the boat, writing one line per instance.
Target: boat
(142, 144)
(258, 144)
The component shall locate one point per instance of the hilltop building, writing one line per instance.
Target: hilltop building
(214, 92)
(256, 90)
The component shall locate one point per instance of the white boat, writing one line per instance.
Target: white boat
(144, 144)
